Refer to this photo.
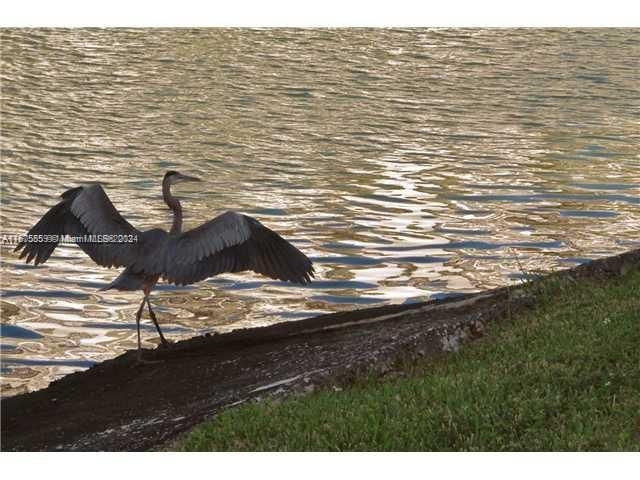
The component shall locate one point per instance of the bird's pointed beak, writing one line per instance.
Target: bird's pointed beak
(188, 178)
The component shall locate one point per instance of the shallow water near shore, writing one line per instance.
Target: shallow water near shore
(408, 164)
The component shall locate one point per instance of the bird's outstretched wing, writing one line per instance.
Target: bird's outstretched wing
(233, 242)
(83, 212)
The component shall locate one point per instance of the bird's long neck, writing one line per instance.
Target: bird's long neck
(174, 204)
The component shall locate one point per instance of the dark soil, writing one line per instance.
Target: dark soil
(119, 405)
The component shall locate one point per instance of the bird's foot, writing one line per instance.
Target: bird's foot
(165, 344)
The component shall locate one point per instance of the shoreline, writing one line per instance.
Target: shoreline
(116, 405)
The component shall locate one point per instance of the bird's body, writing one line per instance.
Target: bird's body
(230, 242)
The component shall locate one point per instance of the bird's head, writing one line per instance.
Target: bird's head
(172, 177)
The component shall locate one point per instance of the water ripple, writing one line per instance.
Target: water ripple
(408, 163)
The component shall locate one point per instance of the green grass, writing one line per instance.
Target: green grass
(564, 376)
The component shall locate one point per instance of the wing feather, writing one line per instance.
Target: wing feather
(234, 243)
(224, 231)
(85, 211)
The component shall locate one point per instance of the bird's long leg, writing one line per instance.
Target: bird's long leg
(164, 341)
(138, 315)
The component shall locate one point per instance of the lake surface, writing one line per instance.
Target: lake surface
(409, 164)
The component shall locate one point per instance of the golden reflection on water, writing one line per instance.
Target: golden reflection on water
(408, 163)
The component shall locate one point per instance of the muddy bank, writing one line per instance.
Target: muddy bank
(118, 405)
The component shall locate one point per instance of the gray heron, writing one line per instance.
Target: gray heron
(230, 242)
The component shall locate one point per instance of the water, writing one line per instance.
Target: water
(409, 164)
